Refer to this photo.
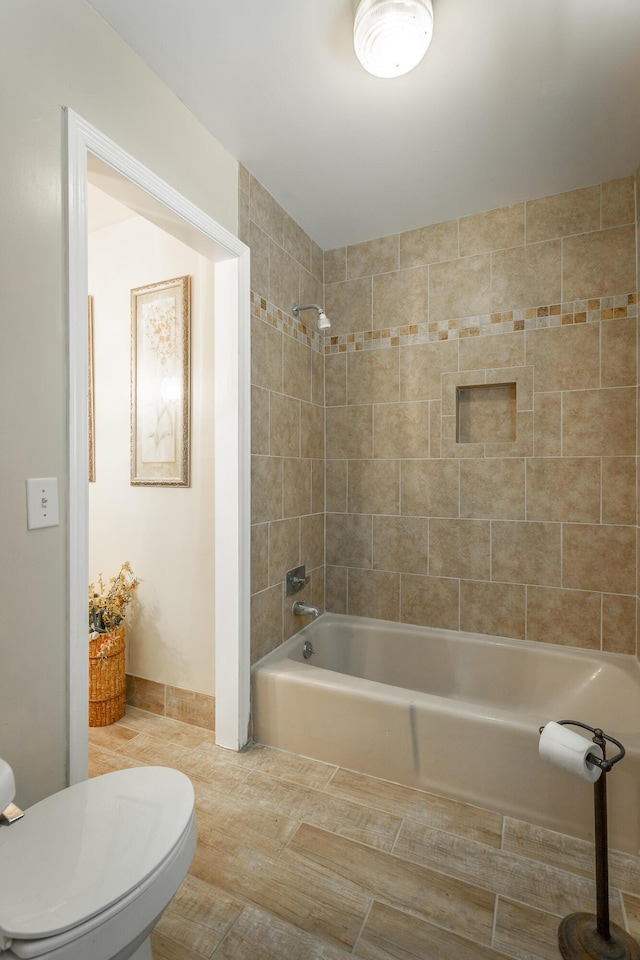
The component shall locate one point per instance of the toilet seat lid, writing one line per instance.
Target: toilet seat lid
(81, 850)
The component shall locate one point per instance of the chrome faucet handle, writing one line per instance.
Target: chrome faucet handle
(300, 582)
(296, 579)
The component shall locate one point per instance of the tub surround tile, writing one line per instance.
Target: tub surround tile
(373, 376)
(374, 593)
(266, 489)
(349, 305)
(421, 368)
(349, 539)
(374, 486)
(618, 623)
(618, 202)
(296, 369)
(492, 488)
(599, 557)
(400, 430)
(566, 617)
(335, 265)
(336, 485)
(284, 548)
(460, 288)
(618, 353)
(599, 422)
(487, 353)
(372, 256)
(266, 621)
(284, 426)
(335, 373)
(284, 288)
(563, 214)
(311, 431)
(318, 486)
(547, 425)
(336, 589)
(349, 432)
(522, 276)
(402, 294)
(260, 421)
(563, 489)
(265, 211)
(430, 601)
(429, 488)
(497, 609)
(525, 552)
(565, 358)
(296, 487)
(459, 548)
(266, 355)
(493, 230)
(430, 244)
(599, 264)
(401, 544)
(312, 541)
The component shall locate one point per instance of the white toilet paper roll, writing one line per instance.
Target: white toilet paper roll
(568, 750)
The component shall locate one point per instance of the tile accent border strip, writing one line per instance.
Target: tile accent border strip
(264, 310)
(529, 318)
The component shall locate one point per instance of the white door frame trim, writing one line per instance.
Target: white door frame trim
(231, 444)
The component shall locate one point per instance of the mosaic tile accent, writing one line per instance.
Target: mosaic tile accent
(530, 318)
(285, 323)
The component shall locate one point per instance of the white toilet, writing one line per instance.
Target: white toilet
(87, 873)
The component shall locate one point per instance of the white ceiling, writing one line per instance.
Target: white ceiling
(515, 99)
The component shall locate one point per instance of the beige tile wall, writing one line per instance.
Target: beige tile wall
(533, 537)
(287, 407)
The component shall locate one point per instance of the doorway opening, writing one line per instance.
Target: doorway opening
(93, 158)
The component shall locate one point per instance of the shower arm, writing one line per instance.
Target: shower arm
(295, 309)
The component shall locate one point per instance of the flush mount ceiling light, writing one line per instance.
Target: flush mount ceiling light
(392, 36)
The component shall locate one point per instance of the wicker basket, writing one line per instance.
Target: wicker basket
(107, 680)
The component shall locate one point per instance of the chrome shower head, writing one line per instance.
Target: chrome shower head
(323, 320)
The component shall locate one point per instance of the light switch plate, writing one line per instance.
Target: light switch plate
(42, 503)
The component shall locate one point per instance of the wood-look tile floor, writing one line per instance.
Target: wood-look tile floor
(301, 860)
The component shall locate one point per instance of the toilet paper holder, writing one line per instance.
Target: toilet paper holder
(604, 764)
(582, 936)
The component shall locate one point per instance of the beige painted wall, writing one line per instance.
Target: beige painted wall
(166, 533)
(52, 55)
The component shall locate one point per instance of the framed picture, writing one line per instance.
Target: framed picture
(160, 383)
(92, 447)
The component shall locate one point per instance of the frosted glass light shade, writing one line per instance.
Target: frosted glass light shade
(392, 36)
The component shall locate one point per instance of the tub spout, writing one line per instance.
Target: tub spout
(302, 609)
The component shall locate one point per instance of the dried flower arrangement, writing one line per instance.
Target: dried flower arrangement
(107, 608)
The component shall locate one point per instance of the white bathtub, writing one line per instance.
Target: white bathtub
(455, 714)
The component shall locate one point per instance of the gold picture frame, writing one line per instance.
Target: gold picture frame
(161, 383)
(90, 399)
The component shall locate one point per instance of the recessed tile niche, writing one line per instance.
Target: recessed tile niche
(486, 413)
